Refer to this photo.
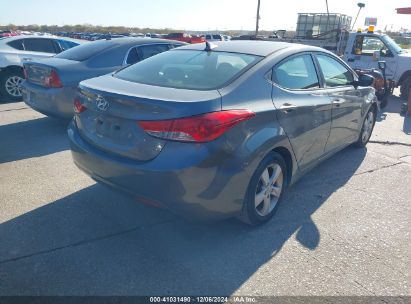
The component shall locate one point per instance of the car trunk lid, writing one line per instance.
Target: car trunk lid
(38, 71)
(115, 106)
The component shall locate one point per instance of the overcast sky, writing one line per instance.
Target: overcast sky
(193, 14)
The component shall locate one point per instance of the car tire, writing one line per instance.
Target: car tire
(265, 190)
(383, 101)
(405, 87)
(10, 82)
(366, 129)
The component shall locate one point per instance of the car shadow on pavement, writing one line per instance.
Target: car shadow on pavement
(32, 138)
(99, 242)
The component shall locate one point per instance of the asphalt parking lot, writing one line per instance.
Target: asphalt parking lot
(344, 229)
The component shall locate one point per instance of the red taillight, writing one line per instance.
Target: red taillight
(78, 106)
(52, 80)
(200, 128)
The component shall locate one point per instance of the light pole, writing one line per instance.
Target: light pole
(360, 5)
(328, 16)
(258, 19)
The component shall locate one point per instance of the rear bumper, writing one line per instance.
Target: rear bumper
(196, 181)
(49, 101)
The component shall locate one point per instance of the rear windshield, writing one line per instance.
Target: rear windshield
(189, 69)
(85, 51)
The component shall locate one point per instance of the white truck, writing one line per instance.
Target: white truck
(364, 49)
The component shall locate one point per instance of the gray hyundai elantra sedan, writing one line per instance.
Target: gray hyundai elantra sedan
(220, 130)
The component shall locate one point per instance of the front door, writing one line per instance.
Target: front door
(303, 107)
(346, 101)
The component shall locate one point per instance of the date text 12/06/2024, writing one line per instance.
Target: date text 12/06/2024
(202, 299)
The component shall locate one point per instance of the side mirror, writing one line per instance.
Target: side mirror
(364, 80)
(382, 65)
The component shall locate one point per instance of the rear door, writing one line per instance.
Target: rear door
(39, 48)
(346, 100)
(303, 107)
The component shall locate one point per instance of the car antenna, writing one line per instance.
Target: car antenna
(209, 46)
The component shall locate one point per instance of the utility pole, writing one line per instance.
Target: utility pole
(258, 19)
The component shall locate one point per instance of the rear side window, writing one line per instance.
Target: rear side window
(296, 73)
(85, 51)
(39, 45)
(189, 69)
(142, 52)
(65, 45)
(335, 73)
(132, 56)
(17, 44)
(146, 51)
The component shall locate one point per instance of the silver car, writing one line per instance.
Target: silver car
(14, 51)
(51, 83)
(221, 130)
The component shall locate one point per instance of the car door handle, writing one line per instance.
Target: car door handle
(27, 59)
(287, 107)
(337, 102)
(350, 59)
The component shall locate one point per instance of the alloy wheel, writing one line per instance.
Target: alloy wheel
(368, 126)
(269, 189)
(13, 86)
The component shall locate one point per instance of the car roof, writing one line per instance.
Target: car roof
(29, 36)
(252, 47)
(5, 40)
(137, 41)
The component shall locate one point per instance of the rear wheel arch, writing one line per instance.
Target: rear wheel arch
(10, 77)
(12, 68)
(287, 156)
(404, 76)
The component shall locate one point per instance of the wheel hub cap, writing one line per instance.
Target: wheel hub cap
(13, 86)
(368, 125)
(269, 189)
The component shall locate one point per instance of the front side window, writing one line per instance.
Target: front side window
(367, 45)
(297, 73)
(39, 45)
(335, 73)
(189, 69)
